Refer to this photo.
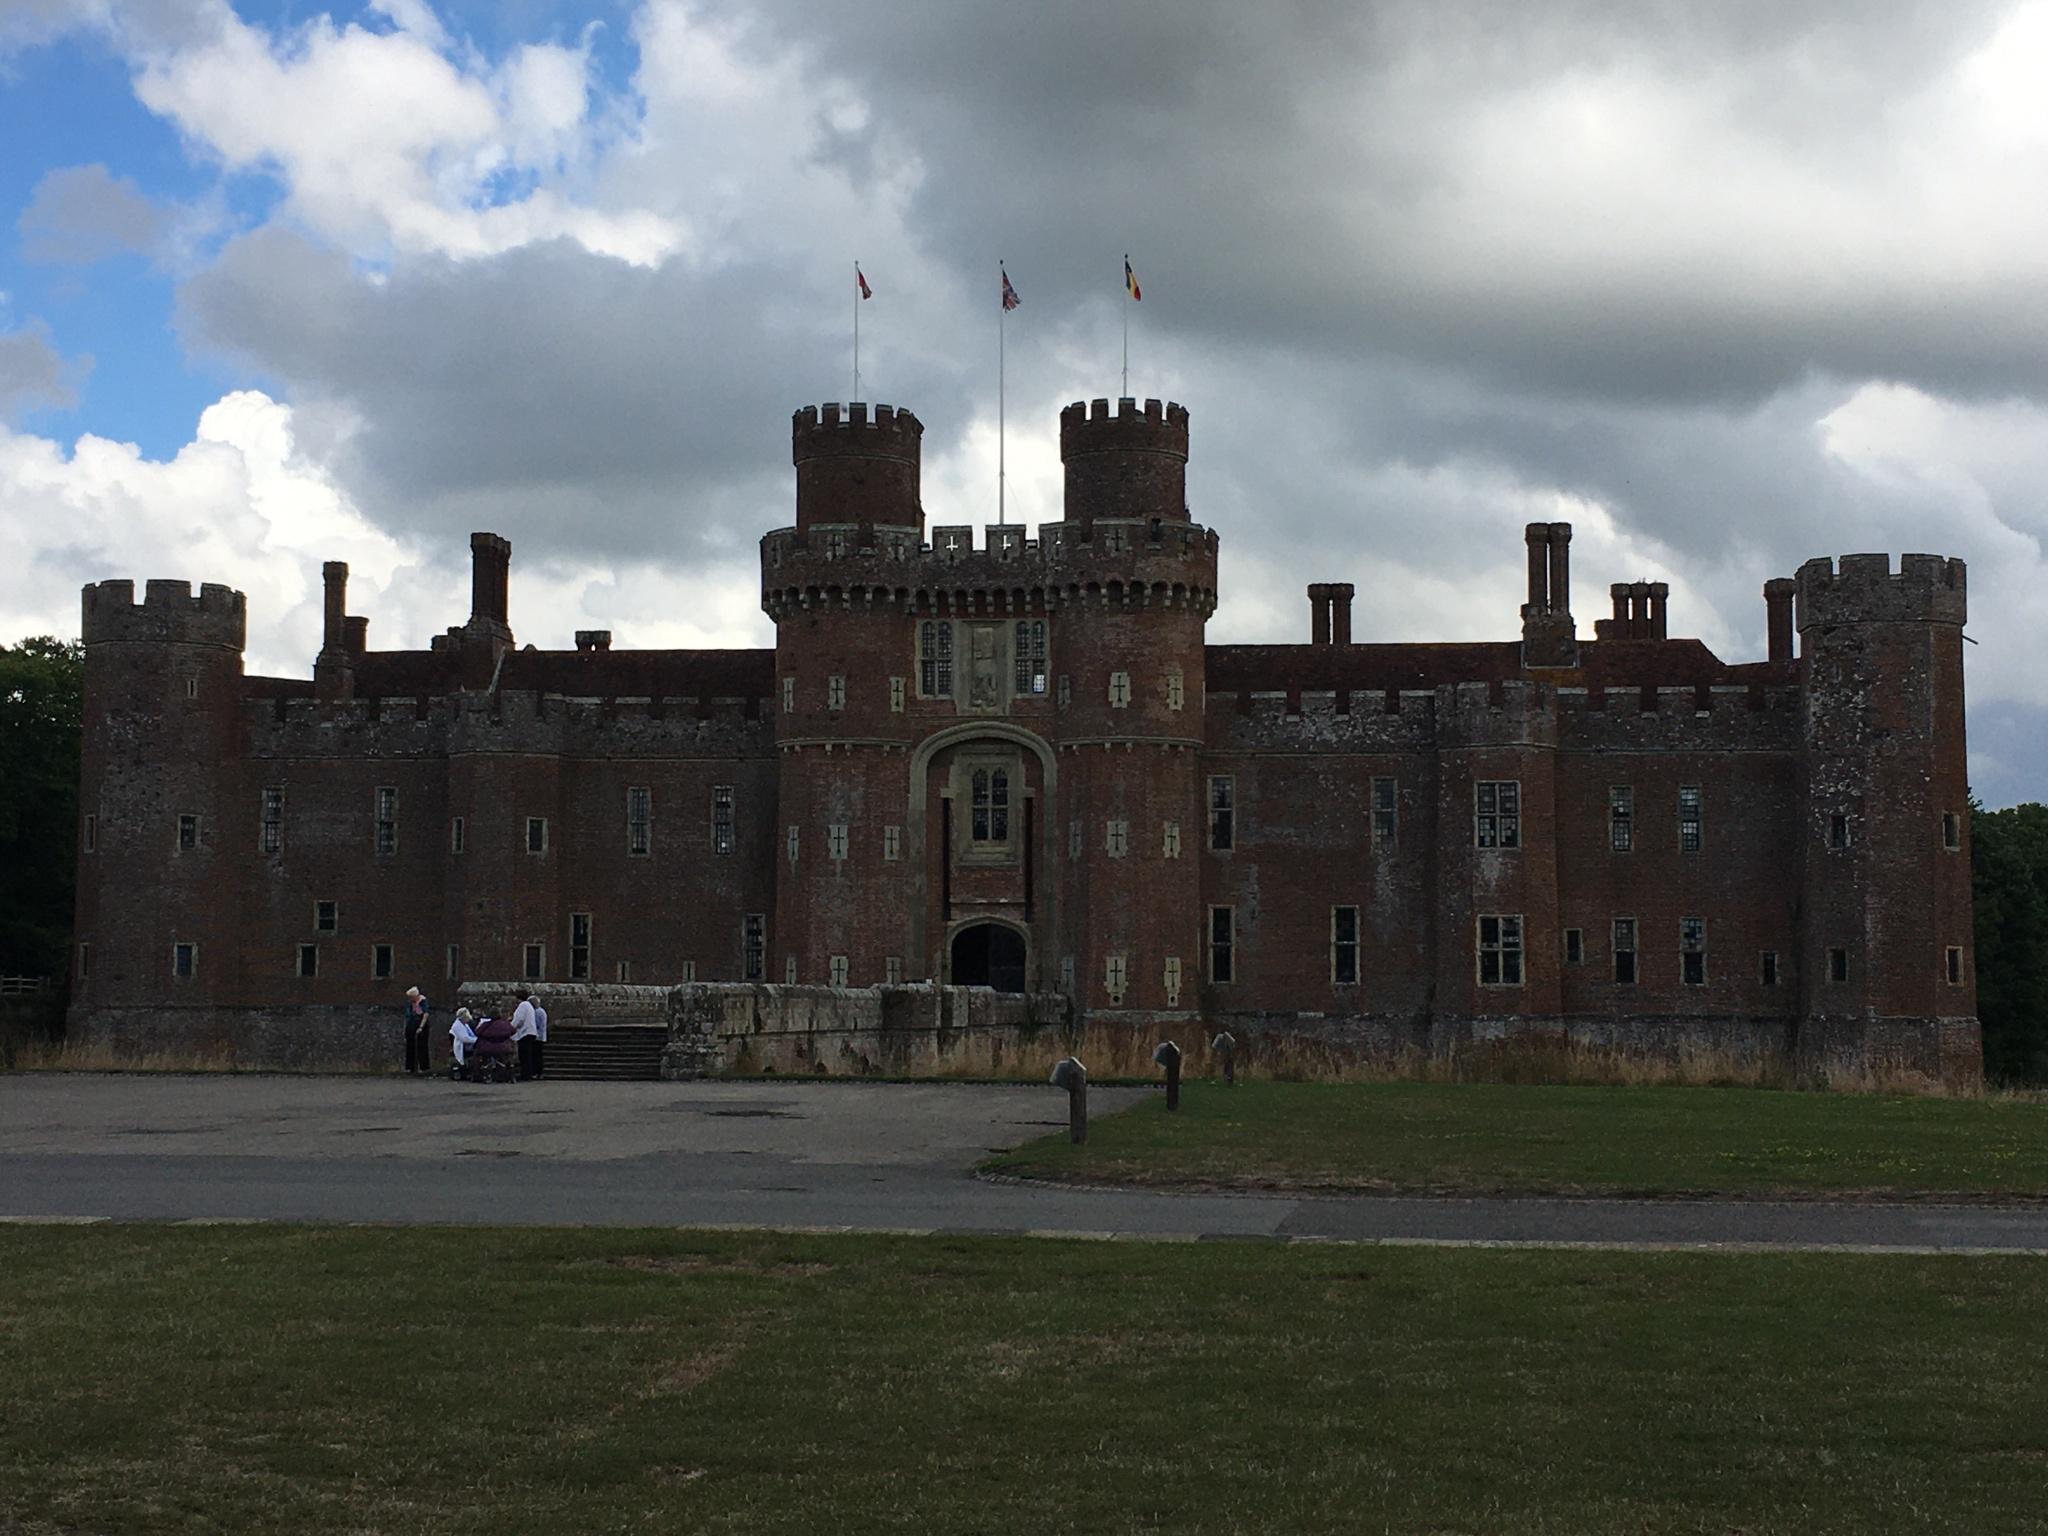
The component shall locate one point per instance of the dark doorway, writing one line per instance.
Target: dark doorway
(989, 955)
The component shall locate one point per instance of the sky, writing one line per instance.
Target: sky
(1726, 287)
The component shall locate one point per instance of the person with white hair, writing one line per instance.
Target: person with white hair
(463, 1034)
(418, 1054)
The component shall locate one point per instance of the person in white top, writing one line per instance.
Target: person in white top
(463, 1037)
(526, 1035)
(540, 1039)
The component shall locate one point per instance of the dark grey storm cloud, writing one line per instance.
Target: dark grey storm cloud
(83, 214)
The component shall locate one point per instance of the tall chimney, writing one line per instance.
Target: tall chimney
(1318, 613)
(1619, 592)
(1659, 593)
(1341, 593)
(333, 637)
(1537, 535)
(490, 563)
(356, 634)
(1778, 592)
(1560, 567)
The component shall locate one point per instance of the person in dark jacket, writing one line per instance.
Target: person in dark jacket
(418, 1054)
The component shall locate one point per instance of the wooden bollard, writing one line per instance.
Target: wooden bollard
(1072, 1076)
(1168, 1056)
(1225, 1046)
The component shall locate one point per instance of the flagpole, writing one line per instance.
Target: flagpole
(1001, 426)
(856, 330)
(1125, 306)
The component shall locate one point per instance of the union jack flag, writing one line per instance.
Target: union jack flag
(1010, 299)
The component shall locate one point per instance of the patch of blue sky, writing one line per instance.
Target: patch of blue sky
(72, 103)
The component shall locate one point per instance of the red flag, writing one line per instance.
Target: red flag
(865, 291)
(1010, 299)
(1131, 279)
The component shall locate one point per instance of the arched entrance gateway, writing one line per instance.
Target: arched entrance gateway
(989, 955)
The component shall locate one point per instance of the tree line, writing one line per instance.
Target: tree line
(42, 705)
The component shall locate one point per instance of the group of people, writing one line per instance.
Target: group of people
(529, 1035)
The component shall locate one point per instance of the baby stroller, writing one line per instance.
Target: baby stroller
(491, 1058)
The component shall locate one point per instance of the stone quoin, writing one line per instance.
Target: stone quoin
(1016, 761)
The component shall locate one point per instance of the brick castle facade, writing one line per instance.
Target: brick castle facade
(1020, 763)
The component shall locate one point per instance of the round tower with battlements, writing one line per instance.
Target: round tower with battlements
(162, 731)
(1887, 969)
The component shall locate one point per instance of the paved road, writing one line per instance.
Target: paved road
(800, 1154)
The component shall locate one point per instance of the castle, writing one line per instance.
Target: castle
(1018, 763)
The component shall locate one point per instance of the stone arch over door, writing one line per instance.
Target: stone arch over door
(966, 733)
(989, 952)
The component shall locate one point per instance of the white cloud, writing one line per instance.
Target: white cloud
(386, 143)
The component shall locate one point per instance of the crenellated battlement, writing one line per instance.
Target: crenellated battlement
(169, 614)
(1127, 463)
(512, 722)
(1165, 564)
(1098, 425)
(836, 428)
(1864, 589)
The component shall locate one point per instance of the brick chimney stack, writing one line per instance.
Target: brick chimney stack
(1778, 594)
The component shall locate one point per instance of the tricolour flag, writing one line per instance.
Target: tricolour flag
(1131, 279)
(868, 293)
(1010, 299)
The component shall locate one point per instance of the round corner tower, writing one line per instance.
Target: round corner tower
(158, 796)
(1128, 465)
(857, 470)
(1887, 965)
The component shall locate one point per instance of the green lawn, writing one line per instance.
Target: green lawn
(1477, 1138)
(292, 1379)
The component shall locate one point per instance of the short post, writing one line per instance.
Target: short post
(1225, 1046)
(1072, 1076)
(1168, 1056)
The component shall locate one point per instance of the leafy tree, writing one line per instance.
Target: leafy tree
(2009, 875)
(41, 704)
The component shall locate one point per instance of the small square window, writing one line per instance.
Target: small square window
(754, 947)
(1838, 965)
(1951, 831)
(1953, 960)
(309, 959)
(455, 962)
(536, 962)
(1384, 814)
(639, 821)
(689, 970)
(457, 833)
(326, 917)
(1222, 944)
(92, 833)
(1692, 951)
(380, 961)
(188, 833)
(1500, 951)
(1497, 813)
(536, 834)
(191, 687)
(1838, 831)
(1768, 968)
(1574, 946)
(1624, 940)
(789, 970)
(184, 961)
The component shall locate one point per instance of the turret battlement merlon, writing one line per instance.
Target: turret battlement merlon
(836, 428)
(169, 613)
(1095, 427)
(1863, 589)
